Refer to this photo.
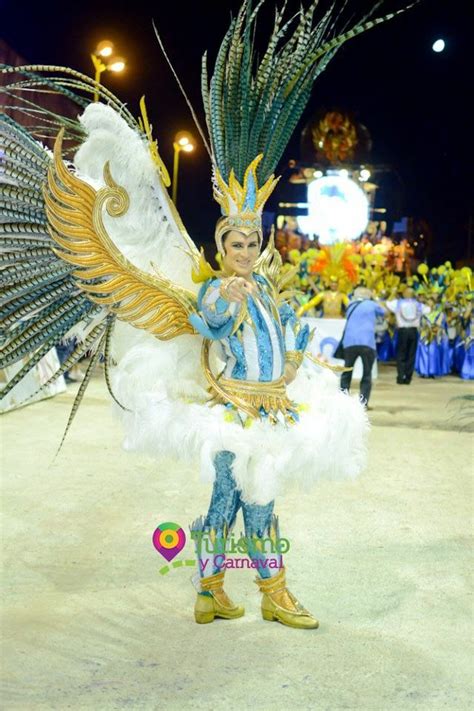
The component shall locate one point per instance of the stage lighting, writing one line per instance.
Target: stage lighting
(338, 209)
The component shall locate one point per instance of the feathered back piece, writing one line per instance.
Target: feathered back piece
(253, 105)
(40, 301)
(34, 96)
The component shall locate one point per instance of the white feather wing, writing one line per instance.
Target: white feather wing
(150, 233)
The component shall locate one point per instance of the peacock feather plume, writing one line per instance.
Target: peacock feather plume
(46, 80)
(40, 304)
(252, 105)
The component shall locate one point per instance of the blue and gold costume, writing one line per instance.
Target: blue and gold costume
(432, 354)
(256, 348)
(256, 340)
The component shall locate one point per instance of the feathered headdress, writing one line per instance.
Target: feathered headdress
(253, 106)
(336, 263)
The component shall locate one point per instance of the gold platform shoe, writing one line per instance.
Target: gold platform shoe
(217, 604)
(279, 605)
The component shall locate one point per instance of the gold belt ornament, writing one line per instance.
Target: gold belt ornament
(247, 395)
(271, 396)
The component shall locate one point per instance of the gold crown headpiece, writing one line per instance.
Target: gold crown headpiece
(241, 205)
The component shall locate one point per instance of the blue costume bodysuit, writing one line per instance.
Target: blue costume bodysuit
(254, 351)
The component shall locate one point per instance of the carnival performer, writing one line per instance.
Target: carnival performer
(384, 335)
(432, 354)
(97, 251)
(333, 301)
(452, 319)
(466, 370)
(261, 356)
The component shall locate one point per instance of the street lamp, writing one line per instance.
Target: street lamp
(183, 141)
(104, 51)
(104, 48)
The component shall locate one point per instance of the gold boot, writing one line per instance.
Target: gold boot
(218, 604)
(279, 605)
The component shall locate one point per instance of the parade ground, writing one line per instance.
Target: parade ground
(384, 562)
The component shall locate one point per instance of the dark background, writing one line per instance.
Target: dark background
(413, 101)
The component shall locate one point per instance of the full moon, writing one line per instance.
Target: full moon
(438, 46)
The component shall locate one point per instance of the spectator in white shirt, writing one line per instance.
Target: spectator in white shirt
(408, 312)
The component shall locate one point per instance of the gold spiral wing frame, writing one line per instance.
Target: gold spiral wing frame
(75, 215)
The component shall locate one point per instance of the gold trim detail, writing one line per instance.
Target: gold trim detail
(294, 357)
(219, 395)
(213, 583)
(270, 396)
(153, 144)
(329, 366)
(245, 395)
(232, 198)
(75, 216)
(276, 583)
(278, 603)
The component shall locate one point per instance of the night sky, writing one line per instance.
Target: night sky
(413, 101)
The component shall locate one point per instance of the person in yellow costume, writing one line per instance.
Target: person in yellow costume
(334, 301)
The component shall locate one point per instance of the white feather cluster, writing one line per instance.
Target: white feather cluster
(147, 232)
(327, 443)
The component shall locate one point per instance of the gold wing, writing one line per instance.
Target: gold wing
(74, 211)
(269, 265)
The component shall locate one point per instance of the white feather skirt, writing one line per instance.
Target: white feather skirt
(170, 418)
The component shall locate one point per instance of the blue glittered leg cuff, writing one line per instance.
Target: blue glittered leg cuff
(263, 541)
(209, 543)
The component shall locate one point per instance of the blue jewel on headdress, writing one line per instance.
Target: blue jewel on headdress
(251, 196)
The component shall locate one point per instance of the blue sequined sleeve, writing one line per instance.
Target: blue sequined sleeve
(216, 316)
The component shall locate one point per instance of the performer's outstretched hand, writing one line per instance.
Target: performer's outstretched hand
(236, 289)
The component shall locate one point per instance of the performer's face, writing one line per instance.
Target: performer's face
(241, 253)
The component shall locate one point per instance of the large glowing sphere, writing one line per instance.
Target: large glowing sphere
(338, 209)
(438, 46)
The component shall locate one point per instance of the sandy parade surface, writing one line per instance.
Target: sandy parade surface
(384, 562)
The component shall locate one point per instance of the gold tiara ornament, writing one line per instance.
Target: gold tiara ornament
(241, 205)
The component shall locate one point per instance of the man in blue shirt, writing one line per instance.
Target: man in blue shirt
(358, 340)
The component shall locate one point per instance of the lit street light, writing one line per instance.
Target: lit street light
(116, 65)
(104, 50)
(183, 141)
(438, 46)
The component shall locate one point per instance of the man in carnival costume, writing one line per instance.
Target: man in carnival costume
(262, 346)
(94, 252)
